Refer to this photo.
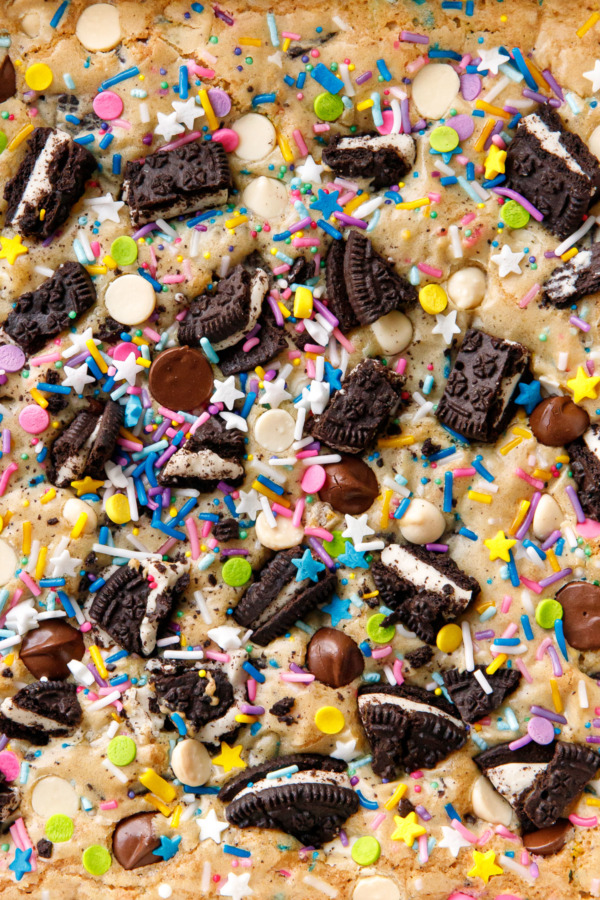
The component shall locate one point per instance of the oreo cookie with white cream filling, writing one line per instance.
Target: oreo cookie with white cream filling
(39, 711)
(85, 445)
(212, 454)
(383, 158)
(584, 463)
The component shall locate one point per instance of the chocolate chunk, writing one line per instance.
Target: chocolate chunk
(408, 727)
(44, 848)
(418, 658)
(40, 710)
(424, 589)
(52, 177)
(226, 530)
(9, 798)
(553, 169)
(47, 650)
(8, 79)
(548, 841)
(557, 421)
(470, 698)
(584, 463)
(176, 182)
(85, 445)
(212, 454)
(312, 805)
(334, 658)
(574, 279)
(276, 600)
(282, 708)
(337, 289)
(136, 600)
(373, 286)
(42, 314)
(383, 158)
(181, 378)
(134, 841)
(369, 396)
(477, 398)
(235, 359)
(350, 486)
(580, 601)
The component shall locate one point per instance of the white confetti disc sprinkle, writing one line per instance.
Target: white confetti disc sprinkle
(130, 299)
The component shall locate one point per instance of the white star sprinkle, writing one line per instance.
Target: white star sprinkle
(211, 827)
(508, 261)
(345, 750)
(274, 393)
(78, 343)
(23, 617)
(106, 209)
(65, 564)
(491, 60)
(77, 378)
(127, 369)
(232, 420)
(226, 637)
(594, 76)
(315, 397)
(452, 841)
(168, 126)
(357, 529)
(446, 326)
(249, 504)
(226, 392)
(237, 886)
(187, 111)
(310, 171)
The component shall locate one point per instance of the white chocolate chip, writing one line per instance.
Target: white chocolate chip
(98, 27)
(422, 523)
(54, 795)
(393, 332)
(594, 141)
(282, 537)
(274, 430)
(8, 562)
(130, 299)
(466, 288)
(547, 517)
(257, 137)
(30, 24)
(73, 509)
(487, 804)
(376, 888)
(191, 763)
(434, 88)
(266, 197)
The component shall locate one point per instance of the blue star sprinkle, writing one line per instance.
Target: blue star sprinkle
(21, 864)
(338, 610)
(529, 396)
(168, 847)
(333, 377)
(352, 558)
(308, 567)
(327, 203)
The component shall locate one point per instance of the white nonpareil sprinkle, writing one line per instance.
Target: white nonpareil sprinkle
(484, 683)
(468, 647)
(114, 770)
(202, 606)
(582, 695)
(104, 701)
(183, 654)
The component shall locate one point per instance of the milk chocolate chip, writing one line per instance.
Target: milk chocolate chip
(134, 841)
(547, 841)
(557, 421)
(580, 601)
(334, 658)
(350, 486)
(181, 378)
(47, 650)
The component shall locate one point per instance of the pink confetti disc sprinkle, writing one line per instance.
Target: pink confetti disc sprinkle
(313, 479)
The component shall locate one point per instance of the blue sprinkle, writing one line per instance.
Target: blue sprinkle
(59, 14)
(254, 673)
(236, 851)
(123, 76)
(383, 70)
(263, 98)
(526, 626)
(368, 804)
(468, 534)
(452, 814)
(330, 82)
(106, 141)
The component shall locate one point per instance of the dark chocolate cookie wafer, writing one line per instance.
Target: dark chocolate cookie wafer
(272, 342)
(477, 398)
(408, 727)
(553, 169)
(9, 798)
(311, 799)
(584, 463)
(383, 158)
(472, 702)
(52, 177)
(136, 600)
(39, 711)
(360, 410)
(42, 314)
(212, 454)
(424, 589)
(337, 289)
(276, 600)
(85, 445)
(574, 279)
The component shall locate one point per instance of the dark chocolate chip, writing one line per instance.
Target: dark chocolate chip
(557, 421)
(8, 79)
(334, 658)
(548, 841)
(350, 486)
(134, 841)
(181, 378)
(47, 650)
(580, 601)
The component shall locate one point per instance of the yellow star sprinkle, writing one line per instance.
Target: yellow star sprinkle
(86, 486)
(583, 386)
(485, 866)
(230, 758)
(407, 829)
(11, 248)
(499, 546)
(495, 161)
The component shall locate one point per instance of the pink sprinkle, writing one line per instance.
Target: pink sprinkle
(381, 652)
(187, 139)
(250, 343)
(200, 71)
(168, 545)
(192, 530)
(583, 823)
(305, 242)
(298, 512)
(199, 422)
(401, 366)
(251, 686)
(416, 64)
(466, 472)
(219, 657)
(300, 143)
(319, 532)
(543, 647)
(96, 249)
(503, 830)
(173, 279)
(310, 368)
(346, 344)
(532, 585)
(528, 297)
(429, 270)
(525, 860)
(306, 454)
(296, 677)
(30, 583)
(43, 360)
(85, 626)
(416, 774)
(150, 333)
(485, 837)
(510, 630)
(464, 832)
(423, 850)
(376, 821)
(109, 804)
(524, 671)
(121, 123)
(314, 348)
(434, 197)
(534, 482)
(280, 270)
(281, 510)
(506, 602)
(468, 218)
(291, 35)
(320, 127)
(397, 671)
(6, 476)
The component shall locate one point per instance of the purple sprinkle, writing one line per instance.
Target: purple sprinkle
(294, 667)
(437, 548)
(225, 488)
(579, 323)
(418, 126)
(520, 742)
(533, 95)
(364, 77)
(551, 80)
(165, 456)
(549, 254)
(213, 410)
(529, 517)
(422, 813)
(219, 14)
(235, 552)
(470, 86)
(152, 492)
(411, 37)
(144, 230)
(344, 838)
(572, 495)
(200, 227)
(321, 553)
(248, 710)
(298, 226)
(166, 497)
(548, 714)
(551, 540)
(554, 102)
(556, 666)
(405, 116)
(350, 220)
(556, 576)
(485, 635)
(511, 109)
(99, 681)
(354, 780)
(276, 311)
(3, 741)
(147, 139)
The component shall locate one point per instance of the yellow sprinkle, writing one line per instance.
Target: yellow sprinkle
(479, 497)
(96, 356)
(20, 136)
(364, 104)
(520, 516)
(161, 788)
(157, 804)
(285, 45)
(303, 303)
(213, 123)
(49, 495)
(145, 363)
(402, 440)
(569, 254)
(371, 594)
(556, 696)
(493, 110)
(521, 432)
(237, 220)
(413, 204)
(98, 661)
(96, 270)
(385, 509)
(589, 24)
(355, 203)
(543, 474)
(140, 342)
(42, 215)
(510, 446)
(396, 796)
(174, 823)
(260, 371)
(39, 398)
(284, 310)
(536, 75)
(41, 563)
(593, 801)
(553, 560)
(250, 42)
(273, 497)
(494, 666)
(109, 262)
(243, 719)
(487, 604)
(563, 458)
(129, 436)
(26, 548)
(484, 135)
(79, 525)
(183, 641)
(9, 660)
(284, 146)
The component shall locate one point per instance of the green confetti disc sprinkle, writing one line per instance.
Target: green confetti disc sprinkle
(547, 612)
(59, 828)
(443, 139)
(328, 107)
(514, 215)
(121, 750)
(96, 860)
(366, 851)
(124, 250)
(376, 632)
(3, 141)
(236, 571)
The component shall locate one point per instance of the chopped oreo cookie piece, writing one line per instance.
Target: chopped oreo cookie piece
(337, 289)
(539, 781)
(424, 589)
(383, 158)
(574, 279)
(85, 445)
(369, 396)
(40, 711)
(52, 177)
(553, 169)
(9, 798)
(408, 727)
(272, 342)
(176, 182)
(42, 314)
(228, 314)
(472, 702)
(212, 454)
(311, 804)
(476, 401)
(137, 600)
(584, 463)
(276, 600)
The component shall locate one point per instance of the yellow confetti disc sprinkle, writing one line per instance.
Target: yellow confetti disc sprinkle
(39, 77)
(117, 509)
(433, 299)
(329, 720)
(449, 638)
